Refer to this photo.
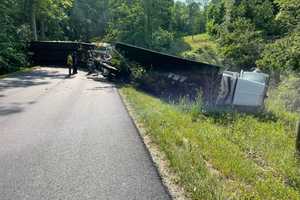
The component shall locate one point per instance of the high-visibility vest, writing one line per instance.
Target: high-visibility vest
(69, 60)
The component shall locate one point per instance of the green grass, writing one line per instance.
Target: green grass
(230, 156)
(202, 48)
(200, 41)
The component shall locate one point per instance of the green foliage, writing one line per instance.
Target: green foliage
(202, 48)
(138, 73)
(179, 18)
(141, 23)
(48, 18)
(261, 13)
(162, 40)
(289, 14)
(212, 28)
(156, 24)
(242, 28)
(286, 97)
(127, 22)
(282, 55)
(13, 35)
(200, 41)
(216, 12)
(241, 44)
(15, 21)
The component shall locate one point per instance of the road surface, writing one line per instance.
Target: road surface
(70, 138)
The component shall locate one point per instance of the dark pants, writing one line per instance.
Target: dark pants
(70, 69)
(75, 69)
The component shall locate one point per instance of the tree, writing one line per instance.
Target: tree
(89, 19)
(289, 14)
(46, 12)
(13, 35)
(242, 28)
(179, 19)
(141, 22)
(241, 44)
(215, 17)
(33, 11)
(157, 14)
(283, 54)
(194, 14)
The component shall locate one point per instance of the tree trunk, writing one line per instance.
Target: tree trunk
(33, 20)
(148, 23)
(43, 30)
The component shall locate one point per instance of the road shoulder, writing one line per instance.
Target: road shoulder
(169, 179)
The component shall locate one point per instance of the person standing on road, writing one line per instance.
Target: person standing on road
(70, 63)
(75, 62)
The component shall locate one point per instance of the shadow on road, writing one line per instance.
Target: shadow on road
(29, 79)
(25, 80)
(37, 78)
(10, 110)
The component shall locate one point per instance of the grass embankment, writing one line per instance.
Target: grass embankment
(202, 49)
(223, 157)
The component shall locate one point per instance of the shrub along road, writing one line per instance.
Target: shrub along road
(70, 139)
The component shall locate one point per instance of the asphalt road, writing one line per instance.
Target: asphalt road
(64, 139)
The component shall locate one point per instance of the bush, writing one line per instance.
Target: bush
(284, 100)
(212, 28)
(282, 55)
(137, 72)
(13, 38)
(241, 44)
(287, 96)
(162, 40)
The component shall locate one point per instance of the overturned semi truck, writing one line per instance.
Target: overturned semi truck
(245, 91)
(171, 75)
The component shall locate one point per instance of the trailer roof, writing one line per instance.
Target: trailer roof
(159, 60)
(62, 45)
(63, 42)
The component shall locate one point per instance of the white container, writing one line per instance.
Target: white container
(254, 76)
(249, 93)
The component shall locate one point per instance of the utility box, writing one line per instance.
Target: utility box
(243, 90)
